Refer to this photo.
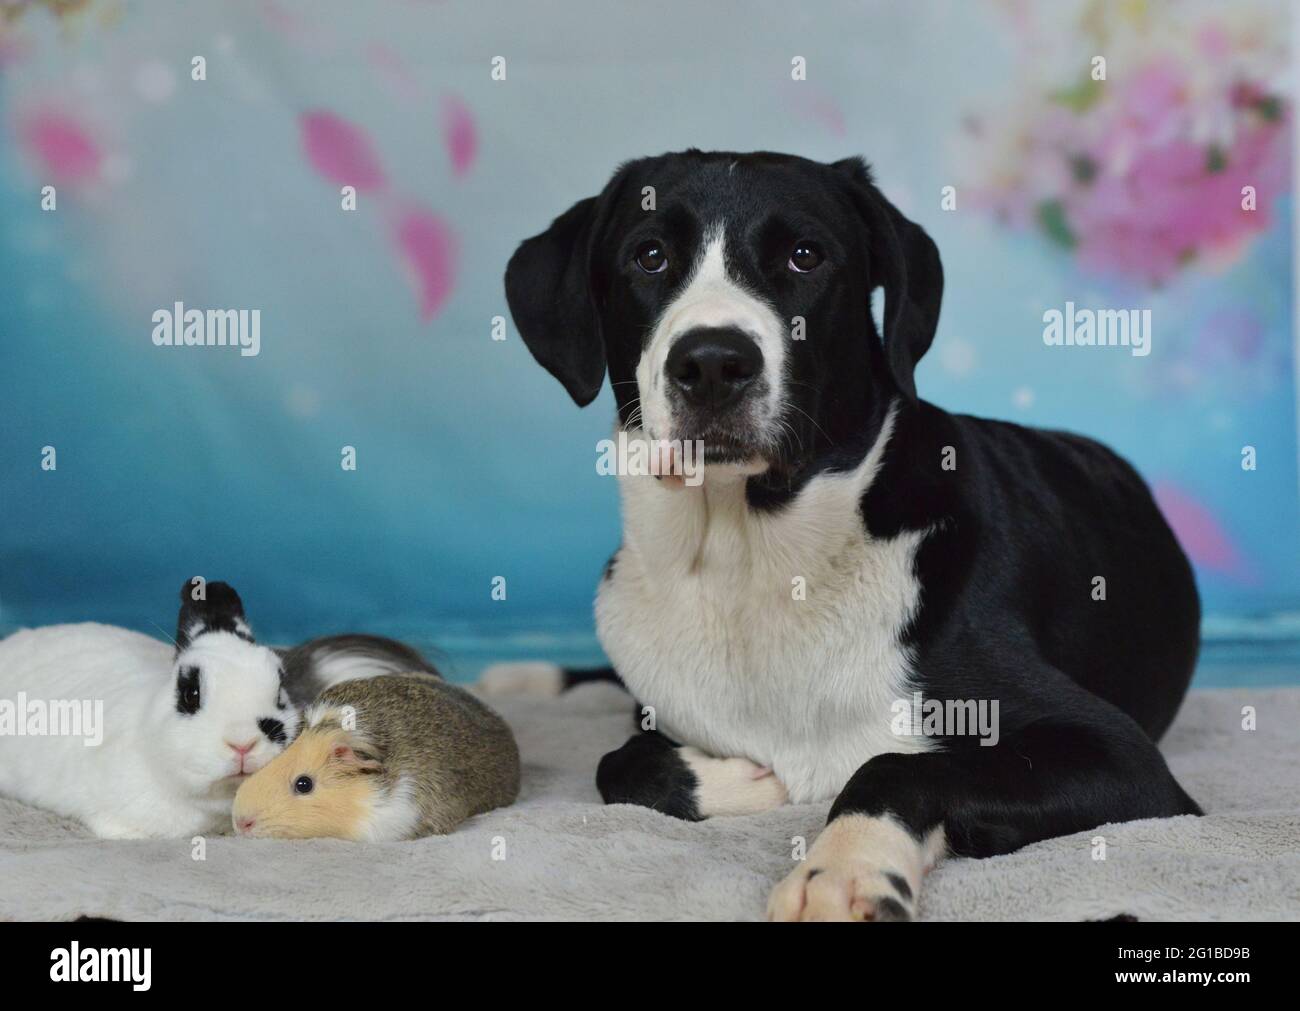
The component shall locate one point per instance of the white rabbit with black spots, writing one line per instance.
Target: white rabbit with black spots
(181, 729)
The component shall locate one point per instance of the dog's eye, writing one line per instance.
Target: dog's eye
(651, 258)
(804, 258)
(303, 784)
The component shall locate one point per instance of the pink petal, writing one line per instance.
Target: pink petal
(281, 19)
(818, 107)
(62, 146)
(1200, 533)
(1214, 42)
(394, 72)
(340, 151)
(13, 50)
(313, 35)
(459, 133)
(428, 250)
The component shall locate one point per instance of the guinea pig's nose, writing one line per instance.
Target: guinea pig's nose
(244, 824)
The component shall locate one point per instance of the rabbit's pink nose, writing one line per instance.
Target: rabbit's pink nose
(244, 824)
(242, 749)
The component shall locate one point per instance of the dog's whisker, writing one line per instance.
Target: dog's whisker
(819, 428)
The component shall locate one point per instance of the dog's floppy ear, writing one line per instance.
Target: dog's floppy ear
(905, 262)
(209, 607)
(550, 287)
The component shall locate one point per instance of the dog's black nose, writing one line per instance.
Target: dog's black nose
(713, 366)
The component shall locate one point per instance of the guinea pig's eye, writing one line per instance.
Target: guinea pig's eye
(804, 257)
(188, 698)
(651, 258)
(281, 699)
(303, 784)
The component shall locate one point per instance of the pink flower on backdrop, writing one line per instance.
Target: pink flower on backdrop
(1214, 42)
(459, 133)
(1159, 198)
(62, 146)
(1141, 175)
(340, 151)
(1201, 534)
(1041, 173)
(427, 249)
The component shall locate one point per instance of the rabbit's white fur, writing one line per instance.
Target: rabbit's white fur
(158, 772)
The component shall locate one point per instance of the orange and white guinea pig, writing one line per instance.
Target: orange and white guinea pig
(383, 759)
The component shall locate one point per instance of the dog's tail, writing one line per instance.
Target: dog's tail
(540, 678)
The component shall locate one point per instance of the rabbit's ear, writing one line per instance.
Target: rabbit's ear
(209, 607)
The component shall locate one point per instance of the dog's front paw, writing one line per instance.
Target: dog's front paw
(729, 786)
(843, 891)
(860, 868)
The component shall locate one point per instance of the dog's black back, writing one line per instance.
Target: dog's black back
(1055, 529)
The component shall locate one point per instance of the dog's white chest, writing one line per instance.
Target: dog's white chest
(773, 637)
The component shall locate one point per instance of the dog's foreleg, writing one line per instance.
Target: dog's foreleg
(1062, 773)
(652, 771)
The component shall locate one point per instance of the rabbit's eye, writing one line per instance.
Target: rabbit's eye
(273, 729)
(188, 698)
(281, 700)
(303, 784)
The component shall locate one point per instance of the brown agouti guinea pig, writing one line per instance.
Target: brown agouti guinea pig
(382, 759)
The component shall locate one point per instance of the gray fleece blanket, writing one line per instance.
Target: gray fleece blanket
(559, 854)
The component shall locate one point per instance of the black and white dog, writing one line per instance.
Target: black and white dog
(849, 545)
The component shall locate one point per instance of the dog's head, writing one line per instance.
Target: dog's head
(729, 298)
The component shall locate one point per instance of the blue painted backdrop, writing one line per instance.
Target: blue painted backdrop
(376, 323)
